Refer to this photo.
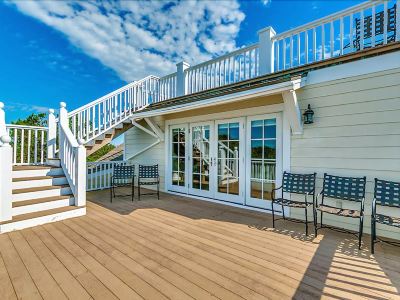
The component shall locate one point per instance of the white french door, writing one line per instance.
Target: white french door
(229, 151)
(201, 154)
(177, 158)
(263, 158)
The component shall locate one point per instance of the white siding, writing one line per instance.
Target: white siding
(356, 133)
(136, 140)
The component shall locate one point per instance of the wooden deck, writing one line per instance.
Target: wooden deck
(179, 248)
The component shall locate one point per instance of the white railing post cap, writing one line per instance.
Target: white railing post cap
(267, 29)
(51, 111)
(183, 63)
(81, 142)
(1, 105)
(5, 139)
(63, 104)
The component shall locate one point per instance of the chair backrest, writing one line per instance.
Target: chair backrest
(345, 188)
(298, 183)
(123, 172)
(148, 171)
(387, 193)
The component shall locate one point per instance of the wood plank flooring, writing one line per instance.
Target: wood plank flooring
(180, 248)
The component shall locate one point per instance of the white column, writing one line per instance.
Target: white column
(51, 134)
(5, 178)
(80, 186)
(3, 129)
(266, 51)
(181, 82)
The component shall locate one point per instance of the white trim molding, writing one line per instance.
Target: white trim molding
(292, 108)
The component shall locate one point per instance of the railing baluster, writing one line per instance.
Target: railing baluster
(284, 54)
(361, 29)
(306, 46)
(42, 147)
(298, 50)
(323, 41)
(15, 141)
(291, 51)
(22, 145)
(314, 34)
(373, 29)
(332, 39)
(35, 147)
(397, 20)
(351, 33)
(385, 21)
(341, 35)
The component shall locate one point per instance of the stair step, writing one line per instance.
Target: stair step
(40, 200)
(39, 188)
(34, 171)
(33, 167)
(41, 217)
(37, 178)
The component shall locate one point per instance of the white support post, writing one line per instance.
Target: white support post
(266, 51)
(51, 134)
(181, 82)
(5, 178)
(80, 186)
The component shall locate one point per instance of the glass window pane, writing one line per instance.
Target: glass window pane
(270, 132)
(234, 131)
(175, 166)
(270, 149)
(182, 164)
(175, 135)
(269, 171)
(205, 168)
(196, 181)
(182, 135)
(256, 169)
(234, 149)
(205, 183)
(222, 185)
(175, 178)
(233, 186)
(181, 179)
(182, 149)
(268, 187)
(270, 122)
(256, 189)
(196, 165)
(256, 149)
(256, 129)
(222, 132)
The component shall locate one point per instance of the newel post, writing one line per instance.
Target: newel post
(6, 156)
(266, 51)
(80, 192)
(181, 82)
(51, 134)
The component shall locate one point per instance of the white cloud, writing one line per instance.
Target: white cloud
(138, 38)
(266, 2)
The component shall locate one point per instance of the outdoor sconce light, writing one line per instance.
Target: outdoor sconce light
(308, 115)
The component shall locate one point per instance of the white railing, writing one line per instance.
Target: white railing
(5, 170)
(72, 156)
(236, 66)
(99, 116)
(98, 174)
(167, 87)
(344, 32)
(29, 144)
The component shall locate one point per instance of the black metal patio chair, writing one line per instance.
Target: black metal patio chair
(303, 184)
(149, 175)
(386, 193)
(341, 188)
(122, 176)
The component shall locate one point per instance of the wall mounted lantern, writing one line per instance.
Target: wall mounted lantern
(308, 115)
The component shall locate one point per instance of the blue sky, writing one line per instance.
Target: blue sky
(78, 51)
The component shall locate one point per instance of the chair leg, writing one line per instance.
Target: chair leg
(158, 191)
(273, 215)
(133, 190)
(139, 191)
(306, 221)
(360, 232)
(315, 217)
(373, 235)
(283, 212)
(111, 193)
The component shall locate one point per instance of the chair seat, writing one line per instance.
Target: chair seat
(291, 203)
(388, 220)
(339, 211)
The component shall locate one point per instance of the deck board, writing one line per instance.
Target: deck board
(180, 248)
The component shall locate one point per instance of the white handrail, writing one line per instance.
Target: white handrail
(72, 156)
(29, 144)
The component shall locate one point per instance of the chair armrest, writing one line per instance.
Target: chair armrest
(308, 194)
(273, 192)
(374, 207)
(362, 206)
(319, 195)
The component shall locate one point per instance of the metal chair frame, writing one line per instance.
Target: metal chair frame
(149, 172)
(122, 172)
(342, 188)
(386, 193)
(303, 184)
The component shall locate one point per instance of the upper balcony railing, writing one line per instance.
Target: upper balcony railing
(366, 25)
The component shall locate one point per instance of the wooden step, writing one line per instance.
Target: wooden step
(37, 178)
(39, 188)
(40, 200)
(33, 167)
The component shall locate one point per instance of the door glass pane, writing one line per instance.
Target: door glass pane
(178, 156)
(201, 157)
(263, 158)
(228, 158)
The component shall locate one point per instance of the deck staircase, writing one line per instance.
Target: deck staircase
(40, 194)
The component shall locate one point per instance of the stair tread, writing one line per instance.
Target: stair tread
(37, 178)
(31, 167)
(41, 214)
(39, 188)
(40, 200)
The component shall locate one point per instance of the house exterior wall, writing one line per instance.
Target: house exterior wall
(356, 133)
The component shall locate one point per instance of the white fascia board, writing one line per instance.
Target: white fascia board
(252, 93)
(356, 68)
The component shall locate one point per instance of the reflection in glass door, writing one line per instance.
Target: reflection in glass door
(262, 160)
(178, 158)
(201, 160)
(229, 154)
